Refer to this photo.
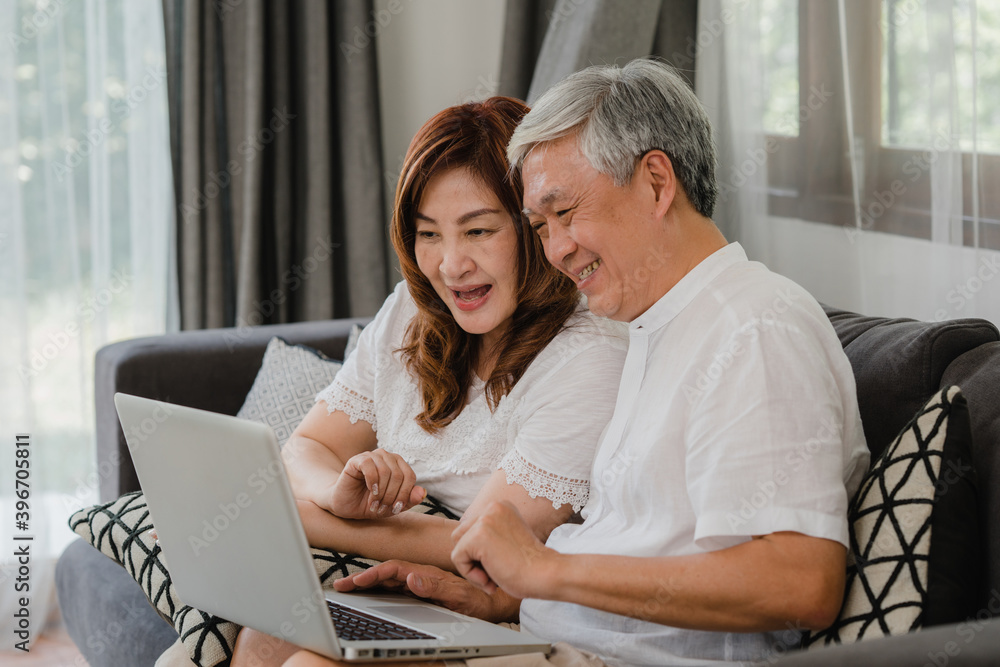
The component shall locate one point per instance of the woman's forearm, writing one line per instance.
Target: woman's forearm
(419, 538)
(312, 469)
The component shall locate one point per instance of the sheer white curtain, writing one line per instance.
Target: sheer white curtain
(859, 147)
(85, 243)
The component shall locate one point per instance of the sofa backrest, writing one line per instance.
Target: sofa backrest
(900, 363)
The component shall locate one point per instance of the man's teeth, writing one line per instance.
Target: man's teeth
(589, 269)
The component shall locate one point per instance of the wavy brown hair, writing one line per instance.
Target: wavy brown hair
(435, 348)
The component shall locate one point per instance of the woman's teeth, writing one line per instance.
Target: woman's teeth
(589, 269)
(474, 294)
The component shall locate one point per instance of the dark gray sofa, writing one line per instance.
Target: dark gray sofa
(898, 365)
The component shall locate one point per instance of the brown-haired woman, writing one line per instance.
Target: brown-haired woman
(481, 378)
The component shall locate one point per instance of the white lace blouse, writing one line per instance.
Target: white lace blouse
(543, 434)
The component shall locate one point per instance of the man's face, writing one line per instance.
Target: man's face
(591, 230)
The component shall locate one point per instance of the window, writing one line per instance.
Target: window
(920, 94)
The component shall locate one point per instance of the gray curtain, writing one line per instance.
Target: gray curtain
(551, 39)
(277, 161)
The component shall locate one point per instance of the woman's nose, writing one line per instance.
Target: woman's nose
(456, 261)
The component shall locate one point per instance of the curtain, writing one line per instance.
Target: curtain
(547, 40)
(277, 160)
(858, 147)
(85, 232)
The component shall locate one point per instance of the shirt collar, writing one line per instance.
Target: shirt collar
(680, 295)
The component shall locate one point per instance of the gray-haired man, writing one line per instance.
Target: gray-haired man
(717, 515)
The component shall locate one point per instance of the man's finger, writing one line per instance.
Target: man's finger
(375, 576)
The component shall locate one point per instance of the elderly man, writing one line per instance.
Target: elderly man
(716, 527)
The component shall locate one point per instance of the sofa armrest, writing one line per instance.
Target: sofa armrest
(210, 369)
(971, 643)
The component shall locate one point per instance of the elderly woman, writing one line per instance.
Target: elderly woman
(482, 378)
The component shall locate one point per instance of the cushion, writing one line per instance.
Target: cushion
(121, 531)
(285, 390)
(352, 340)
(913, 524)
(978, 374)
(898, 363)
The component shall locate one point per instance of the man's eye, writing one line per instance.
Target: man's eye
(563, 212)
(537, 227)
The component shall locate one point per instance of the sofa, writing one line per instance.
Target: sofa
(898, 365)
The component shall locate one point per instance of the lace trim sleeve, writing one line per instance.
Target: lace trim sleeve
(350, 402)
(538, 482)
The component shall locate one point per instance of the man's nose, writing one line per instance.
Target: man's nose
(559, 245)
(456, 261)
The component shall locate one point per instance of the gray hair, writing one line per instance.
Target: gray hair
(620, 114)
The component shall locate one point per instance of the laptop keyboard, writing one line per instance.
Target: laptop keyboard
(352, 624)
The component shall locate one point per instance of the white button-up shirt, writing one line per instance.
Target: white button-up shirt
(736, 416)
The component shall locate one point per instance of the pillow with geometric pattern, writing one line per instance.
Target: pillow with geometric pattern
(914, 522)
(121, 531)
(285, 389)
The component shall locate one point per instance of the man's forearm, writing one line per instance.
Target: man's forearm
(765, 584)
(506, 608)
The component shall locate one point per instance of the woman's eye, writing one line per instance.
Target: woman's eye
(426, 235)
(479, 232)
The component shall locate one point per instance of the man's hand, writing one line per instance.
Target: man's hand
(374, 485)
(498, 549)
(436, 585)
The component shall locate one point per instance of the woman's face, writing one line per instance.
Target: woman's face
(466, 246)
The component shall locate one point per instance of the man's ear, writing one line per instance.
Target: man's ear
(658, 174)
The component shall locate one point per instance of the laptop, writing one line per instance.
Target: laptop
(231, 536)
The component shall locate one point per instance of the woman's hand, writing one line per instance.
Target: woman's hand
(374, 485)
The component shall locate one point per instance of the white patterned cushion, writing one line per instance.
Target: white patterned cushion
(891, 520)
(352, 340)
(285, 390)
